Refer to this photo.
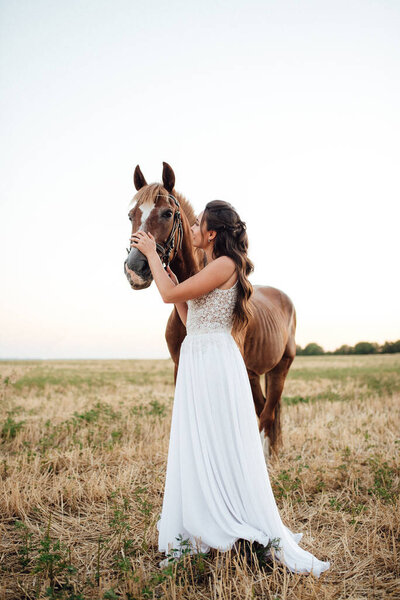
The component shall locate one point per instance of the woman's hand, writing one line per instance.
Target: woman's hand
(144, 242)
(172, 275)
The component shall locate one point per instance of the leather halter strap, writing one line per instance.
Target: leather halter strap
(167, 248)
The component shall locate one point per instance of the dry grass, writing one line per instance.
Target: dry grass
(83, 453)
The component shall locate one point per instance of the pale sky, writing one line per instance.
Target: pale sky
(289, 110)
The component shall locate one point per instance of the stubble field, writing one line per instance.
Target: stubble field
(83, 450)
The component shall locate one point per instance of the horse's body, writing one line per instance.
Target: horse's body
(269, 343)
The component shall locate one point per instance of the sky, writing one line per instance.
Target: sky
(288, 110)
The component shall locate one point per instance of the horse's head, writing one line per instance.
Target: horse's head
(154, 209)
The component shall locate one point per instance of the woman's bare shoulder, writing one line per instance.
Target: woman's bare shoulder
(227, 260)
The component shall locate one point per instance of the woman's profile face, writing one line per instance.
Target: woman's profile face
(196, 233)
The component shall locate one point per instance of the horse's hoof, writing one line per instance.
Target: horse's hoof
(165, 563)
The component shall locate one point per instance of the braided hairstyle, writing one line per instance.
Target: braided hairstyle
(231, 240)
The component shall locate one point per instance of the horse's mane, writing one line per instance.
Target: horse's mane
(187, 207)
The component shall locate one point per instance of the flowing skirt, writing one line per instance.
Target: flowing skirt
(217, 487)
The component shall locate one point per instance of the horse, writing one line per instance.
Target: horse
(268, 345)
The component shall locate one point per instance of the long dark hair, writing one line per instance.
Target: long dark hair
(231, 240)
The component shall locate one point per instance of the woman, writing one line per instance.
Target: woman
(217, 488)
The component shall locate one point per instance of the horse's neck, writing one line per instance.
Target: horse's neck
(187, 262)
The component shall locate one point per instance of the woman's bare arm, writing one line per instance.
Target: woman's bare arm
(210, 277)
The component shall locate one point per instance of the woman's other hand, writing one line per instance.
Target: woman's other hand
(144, 242)
(172, 275)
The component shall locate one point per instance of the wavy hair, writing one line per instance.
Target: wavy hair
(231, 240)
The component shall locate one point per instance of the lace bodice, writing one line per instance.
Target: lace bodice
(211, 312)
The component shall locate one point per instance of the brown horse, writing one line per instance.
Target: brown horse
(268, 346)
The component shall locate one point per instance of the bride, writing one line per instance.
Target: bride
(217, 487)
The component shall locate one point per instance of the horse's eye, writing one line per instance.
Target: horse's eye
(167, 214)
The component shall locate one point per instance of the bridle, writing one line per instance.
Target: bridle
(169, 245)
(166, 248)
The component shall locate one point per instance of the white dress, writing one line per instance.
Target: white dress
(217, 487)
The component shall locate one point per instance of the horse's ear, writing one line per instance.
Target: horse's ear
(168, 177)
(138, 178)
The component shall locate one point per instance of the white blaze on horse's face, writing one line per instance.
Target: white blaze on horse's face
(141, 277)
(145, 210)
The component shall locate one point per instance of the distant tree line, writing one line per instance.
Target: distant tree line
(314, 349)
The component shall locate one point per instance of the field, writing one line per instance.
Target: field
(83, 449)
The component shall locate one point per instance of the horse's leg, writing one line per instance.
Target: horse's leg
(259, 403)
(258, 396)
(264, 438)
(176, 365)
(270, 421)
(174, 335)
